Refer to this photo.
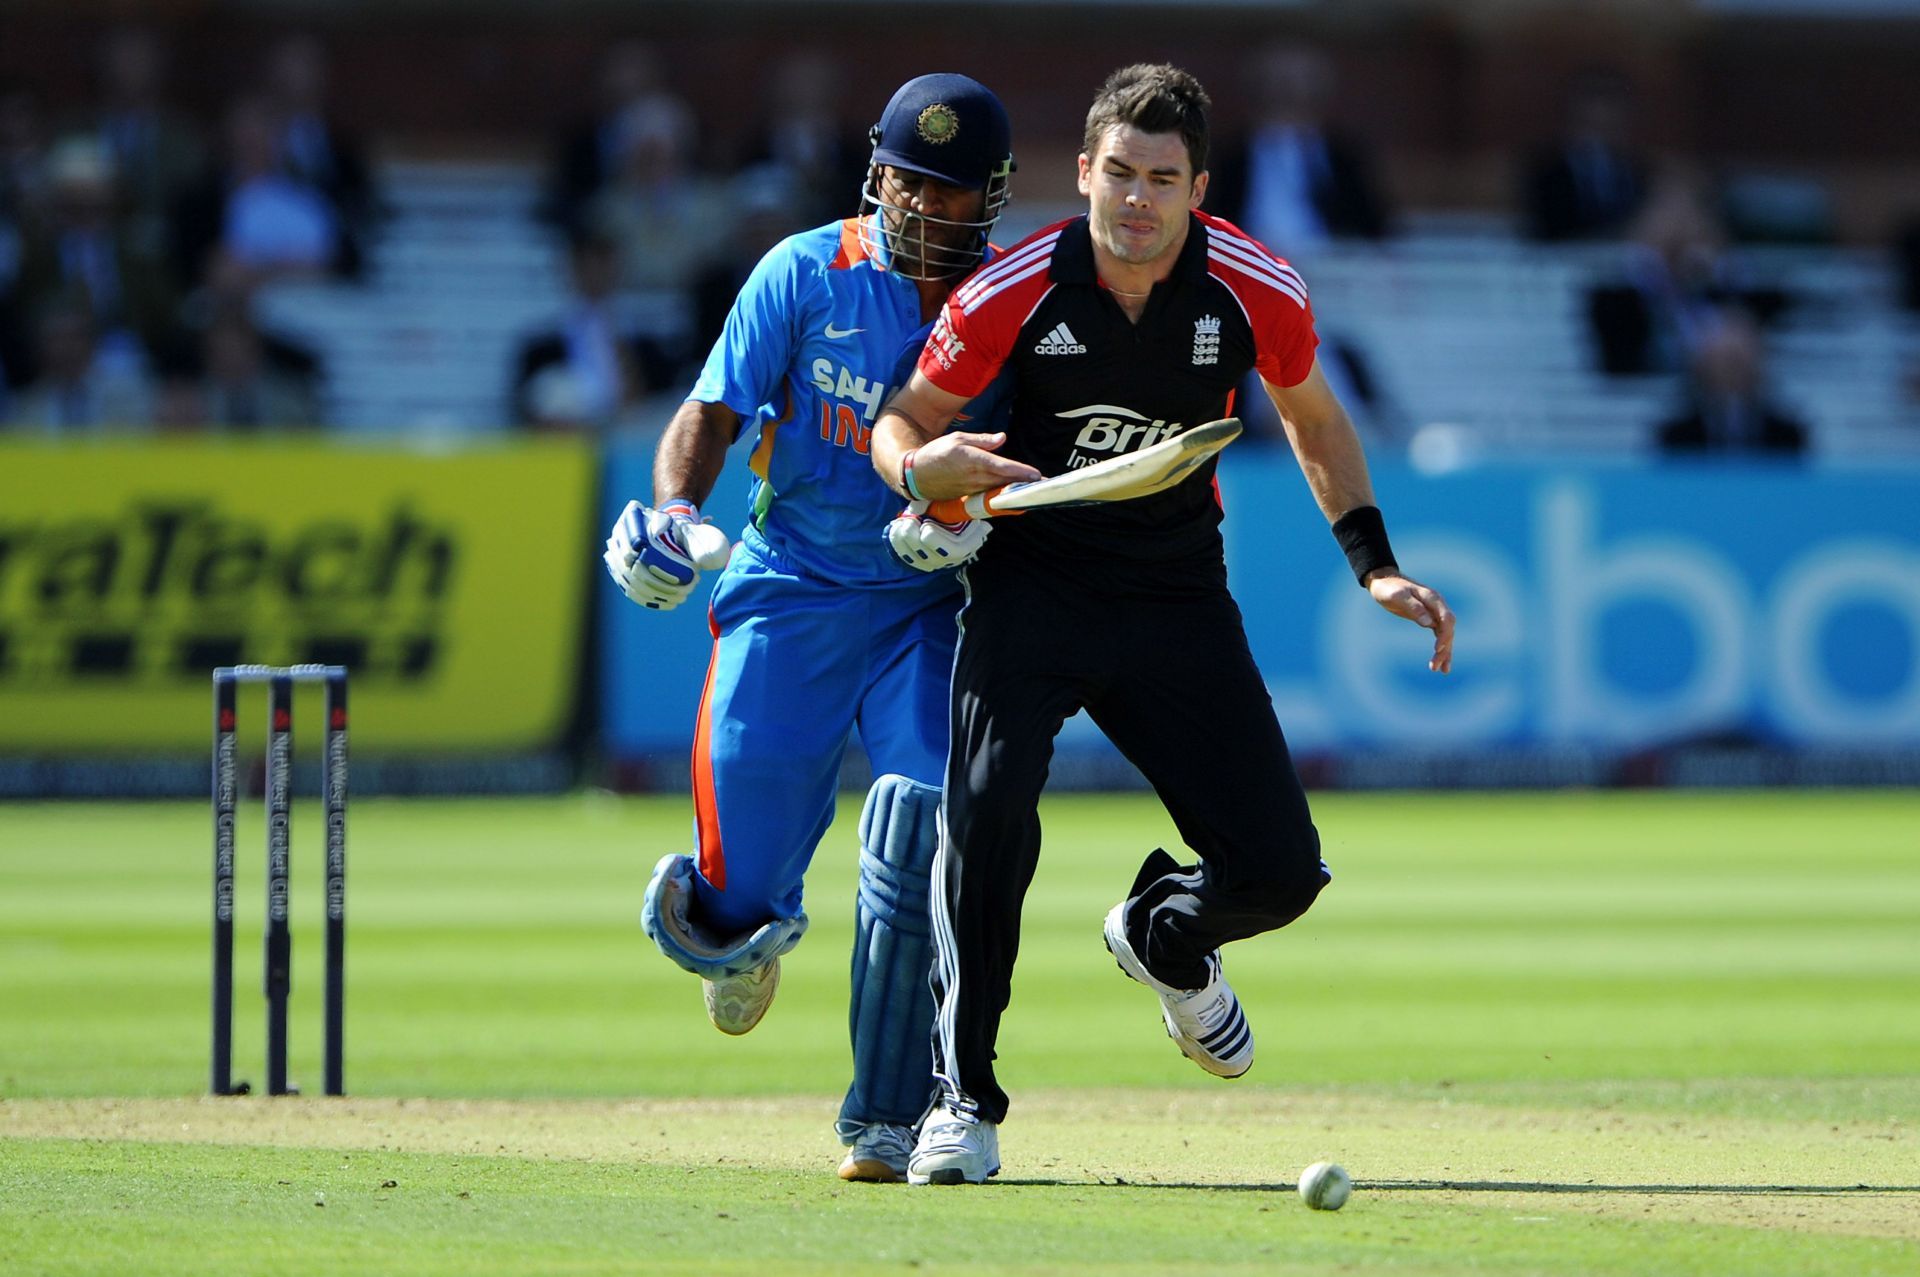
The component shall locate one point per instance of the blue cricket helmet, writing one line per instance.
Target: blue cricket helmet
(951, 128)
(947, 126)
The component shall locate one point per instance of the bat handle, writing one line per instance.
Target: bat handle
(977, 506)
(949, 510)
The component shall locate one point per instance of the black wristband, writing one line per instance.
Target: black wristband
(1362, 535)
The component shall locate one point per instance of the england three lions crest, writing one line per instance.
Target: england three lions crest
(1206, 340)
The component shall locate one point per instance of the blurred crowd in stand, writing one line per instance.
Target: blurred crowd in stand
(133, 240)
(1678, 301)
(663, 225)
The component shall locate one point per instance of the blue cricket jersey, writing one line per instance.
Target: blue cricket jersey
(819, 336)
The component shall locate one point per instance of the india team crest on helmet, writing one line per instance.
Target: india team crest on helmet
(938, 124)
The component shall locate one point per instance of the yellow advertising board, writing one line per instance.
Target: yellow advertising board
(450, 583)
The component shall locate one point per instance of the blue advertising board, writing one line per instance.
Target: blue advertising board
(1622, 606)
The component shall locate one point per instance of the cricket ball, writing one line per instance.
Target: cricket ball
(708, 547)
(1325, 1186)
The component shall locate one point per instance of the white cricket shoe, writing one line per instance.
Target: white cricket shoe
(879, 1155)
(954, 1149)
(1207, 1023)
(736, 1003)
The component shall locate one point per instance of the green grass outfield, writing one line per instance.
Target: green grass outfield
(1584, 1033)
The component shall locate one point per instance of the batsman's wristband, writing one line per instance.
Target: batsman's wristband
(907, 480)
(681, 504)
(1362, 535)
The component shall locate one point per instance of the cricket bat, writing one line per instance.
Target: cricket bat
(1136, 474)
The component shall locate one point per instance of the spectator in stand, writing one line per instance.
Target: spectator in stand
(765, 201)
(227, 370)
(317, 150)
(595, 365)
(1590, 182)
(80, 250)
(157, 153)
(1906, 257)
(242, 388)
(24, 193)
(76, 389)
(804, 133)
(1730, 410)
(1678, 278)
(591, 152)
(24, 201)
(252, 216)
(178, 405)
(668, 219)
(1293, 181)
(231, 290)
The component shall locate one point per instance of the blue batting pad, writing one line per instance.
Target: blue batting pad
(665, 917)
(891, 1017)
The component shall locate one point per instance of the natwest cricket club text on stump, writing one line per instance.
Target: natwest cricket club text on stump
(278, 981)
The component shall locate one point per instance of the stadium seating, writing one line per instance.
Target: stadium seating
(1468, 328)
(1471, 327)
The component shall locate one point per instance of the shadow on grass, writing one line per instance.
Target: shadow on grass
(1704, 1190)
(1495, 1186)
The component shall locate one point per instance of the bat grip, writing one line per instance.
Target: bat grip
(961, 509)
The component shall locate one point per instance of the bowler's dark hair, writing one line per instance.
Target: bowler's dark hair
(1154, 98)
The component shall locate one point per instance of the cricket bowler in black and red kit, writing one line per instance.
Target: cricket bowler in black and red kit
(1121, 327)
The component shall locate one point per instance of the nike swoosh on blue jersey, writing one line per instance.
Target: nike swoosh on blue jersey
(833, 332)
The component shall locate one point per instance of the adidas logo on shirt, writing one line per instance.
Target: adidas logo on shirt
(1060, 341)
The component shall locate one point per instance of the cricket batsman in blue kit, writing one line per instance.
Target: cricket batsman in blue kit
(820, 625)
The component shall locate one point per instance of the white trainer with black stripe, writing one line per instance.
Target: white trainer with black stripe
(954, 1148)
(1207, 1023)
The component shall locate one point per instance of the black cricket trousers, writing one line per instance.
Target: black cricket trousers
(1168, 676)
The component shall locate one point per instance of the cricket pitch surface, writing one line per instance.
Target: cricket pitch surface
(1630, 1179)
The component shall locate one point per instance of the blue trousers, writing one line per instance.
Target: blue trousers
(799, 664)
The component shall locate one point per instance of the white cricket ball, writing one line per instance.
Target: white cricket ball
(1325, 1186)
(707, 546)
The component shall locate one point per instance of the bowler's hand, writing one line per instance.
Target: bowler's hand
(960, 464)
(926, 543)
(1406, 597)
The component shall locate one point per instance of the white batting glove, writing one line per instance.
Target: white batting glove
(930, 545)
(656, 556)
